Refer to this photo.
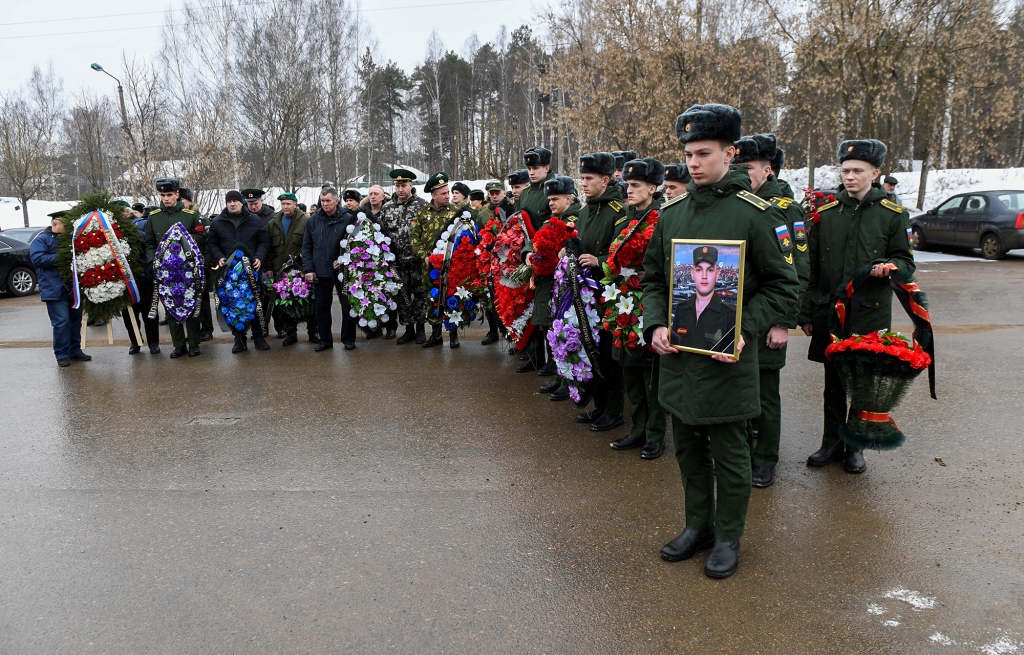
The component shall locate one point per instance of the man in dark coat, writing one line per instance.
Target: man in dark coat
(254, 203)
(65, 319)
(603, 217)
(860, 228)
(321, 246)
(160, 220)
(286, 230)
(236, 228)
(711, 398)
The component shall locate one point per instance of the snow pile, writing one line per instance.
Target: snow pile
(941, 184)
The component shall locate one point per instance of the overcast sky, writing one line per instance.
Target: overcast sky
(72, 34)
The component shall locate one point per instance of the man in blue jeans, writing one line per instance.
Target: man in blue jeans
(66, 321)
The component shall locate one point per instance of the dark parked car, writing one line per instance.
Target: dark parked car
(23, 234)
(17, 275)
(990, 220)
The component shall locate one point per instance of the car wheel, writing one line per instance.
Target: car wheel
(991, 246)
(917, 241)
(21, 281)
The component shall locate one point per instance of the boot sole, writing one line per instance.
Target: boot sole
(719, 575)
(700, 547)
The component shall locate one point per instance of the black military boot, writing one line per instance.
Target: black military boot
(824, 456)
(410, 335)
(421, 336)
(435, 337)
(453, 339)
(687, 544)
(723, 560)
(240, 344)
(492, 337)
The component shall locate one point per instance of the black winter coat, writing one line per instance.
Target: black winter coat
(321, 243)
(251, 234)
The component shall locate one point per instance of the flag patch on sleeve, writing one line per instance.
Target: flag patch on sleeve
(782, 234)
(799, 231)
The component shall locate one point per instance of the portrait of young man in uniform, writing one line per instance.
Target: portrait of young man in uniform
(705, 318)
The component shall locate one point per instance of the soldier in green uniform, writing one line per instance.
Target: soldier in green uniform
(533, 200)
(860, 228)
(760, 153)
(286, 230)
(677, 176)
(703, 320)
(431, 220)
(712, 397)
(602, 218)
(518, 180)
(397, 217)
(497, 205)
(172, 211)
(640, 368)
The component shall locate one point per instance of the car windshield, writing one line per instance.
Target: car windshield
(1014, 201)
(21, 234)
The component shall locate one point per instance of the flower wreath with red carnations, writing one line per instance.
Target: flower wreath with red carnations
(484, 257)
(513, 299)
(622, 296)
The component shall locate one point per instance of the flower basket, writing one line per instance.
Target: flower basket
(456, 284)
(575, 327)
(180, 275)
(622, 295)
(239, 293)
(294, 295)
(368, 270)
(513, 299)
(878, 368)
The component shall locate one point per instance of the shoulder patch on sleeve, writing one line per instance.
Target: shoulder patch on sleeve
(785, 241)
(828, 206)
(782, 203)
(673, 201)
(799, 232)
(760, 203)
(890, 205)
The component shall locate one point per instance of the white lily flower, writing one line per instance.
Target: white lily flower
(611, 292)
(627, 272)
(624, 305)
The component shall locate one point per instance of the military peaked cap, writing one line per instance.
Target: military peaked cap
(648, 169)
(598, 163)
(537, 156)
(167, 184)
(756, 147)
(709, 122)
(560, 185)
(869, 150)
(707, 254)
(251, 195)
(677, 173)
(58, 214)
(402, 175)
(436, 181)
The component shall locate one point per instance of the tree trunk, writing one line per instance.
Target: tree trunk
(810, 158)
(24, 209)
(947, 124)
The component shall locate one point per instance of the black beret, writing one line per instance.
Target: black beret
(778, 161)
(709, 122)
(185, 193)
(352, 194)
(233, 195)
(599, 163)
(630, 155)
(889, 179)
(462, 188)
(678, 173)
(167, 184)
(620, 159)
(537, 156)
(560, 185)
(869, 150)
(756, 147)
(520, 176)
(647, 169)
(477, 194)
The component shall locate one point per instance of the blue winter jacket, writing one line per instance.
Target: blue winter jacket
(44, 257)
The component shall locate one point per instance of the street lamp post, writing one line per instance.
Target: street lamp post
(129, 139)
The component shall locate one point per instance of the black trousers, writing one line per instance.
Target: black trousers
(325, 289)
(149, 326)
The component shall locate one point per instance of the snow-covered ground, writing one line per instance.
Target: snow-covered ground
(11, 216)
(941, 184)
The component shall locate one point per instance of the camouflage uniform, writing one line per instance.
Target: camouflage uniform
(426, 230)
(397, 218)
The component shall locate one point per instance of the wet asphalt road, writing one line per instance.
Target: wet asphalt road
(396, 499)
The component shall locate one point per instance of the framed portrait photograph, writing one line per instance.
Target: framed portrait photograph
(707, 295)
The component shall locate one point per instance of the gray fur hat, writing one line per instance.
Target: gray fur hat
(560, 185)
(709, 122)
(756, 147)
(870, 150)
(600, 163)
(647, 169)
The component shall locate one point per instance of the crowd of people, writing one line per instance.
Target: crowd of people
(724, 404)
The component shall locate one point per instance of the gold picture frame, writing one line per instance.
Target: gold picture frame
(724, 265)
